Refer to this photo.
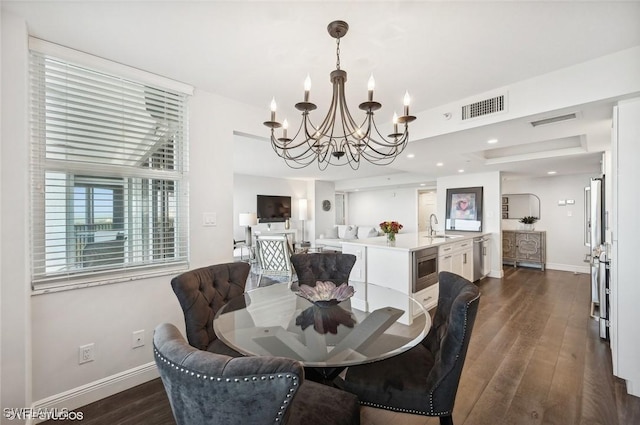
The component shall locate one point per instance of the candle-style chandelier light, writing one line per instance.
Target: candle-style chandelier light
(339, 140)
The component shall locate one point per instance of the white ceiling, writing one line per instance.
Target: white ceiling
(440, 51)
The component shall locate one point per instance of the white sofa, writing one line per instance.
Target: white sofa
(332, 238)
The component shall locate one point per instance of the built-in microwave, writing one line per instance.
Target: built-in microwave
(425, 268)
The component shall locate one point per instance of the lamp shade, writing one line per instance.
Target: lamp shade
(248, 219)
(302, 209)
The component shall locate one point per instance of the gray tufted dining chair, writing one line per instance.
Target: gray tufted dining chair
(326, 266)
(206, 388)
(201, 293)
(424, 380)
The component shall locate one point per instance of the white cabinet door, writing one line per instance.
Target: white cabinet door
(486, 257)
(457, 258)
(457, 266)
(445, 263)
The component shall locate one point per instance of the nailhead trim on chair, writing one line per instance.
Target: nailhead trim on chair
(431, 410)
(395, 409)
(464, 332)
(294, 379)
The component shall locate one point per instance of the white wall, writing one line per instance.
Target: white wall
(427, 205)
(564, 224)
(15, 324)
(625, 290)
(323, 220)
(41, 334)
(107, 315)
(491, 208)
(375, 206)
(245, 190)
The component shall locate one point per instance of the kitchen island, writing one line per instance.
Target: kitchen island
(398, 266)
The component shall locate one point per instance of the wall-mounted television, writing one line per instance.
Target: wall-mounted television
(273, 209)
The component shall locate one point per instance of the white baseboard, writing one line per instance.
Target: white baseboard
(97, 390)
(568, 268)
(631, 388)
(496, 273)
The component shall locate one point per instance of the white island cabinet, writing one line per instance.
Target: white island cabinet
(392, 266)
(457, 257)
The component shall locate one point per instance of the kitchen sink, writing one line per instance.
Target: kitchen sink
(443, 237)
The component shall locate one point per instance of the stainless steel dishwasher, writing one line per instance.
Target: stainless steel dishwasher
(479, 250)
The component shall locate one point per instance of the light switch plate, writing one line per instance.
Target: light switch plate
(209, 219)
(562, 203)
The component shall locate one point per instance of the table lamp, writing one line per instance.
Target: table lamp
(248, 220)
(302, 214)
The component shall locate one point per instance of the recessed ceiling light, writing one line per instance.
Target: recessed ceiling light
(492, 141)
(461, 171)
(551, 172)
(439, 164)
(411, 155)
(423, 184)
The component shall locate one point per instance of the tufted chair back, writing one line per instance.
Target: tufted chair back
(207, 388)
(201, 293)
(449, 337)
(424, 380)
(211, 388)
(331, 266)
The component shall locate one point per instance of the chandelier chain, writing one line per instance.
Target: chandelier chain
(338, 53)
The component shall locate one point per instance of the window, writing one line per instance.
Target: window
(109, 181)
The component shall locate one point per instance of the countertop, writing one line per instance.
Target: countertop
(414, 241)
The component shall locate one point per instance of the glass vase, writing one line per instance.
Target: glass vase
(391, 238)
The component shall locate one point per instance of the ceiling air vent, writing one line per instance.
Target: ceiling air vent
(554, 119)
(484, 107)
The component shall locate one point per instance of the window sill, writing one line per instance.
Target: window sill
(111, 278)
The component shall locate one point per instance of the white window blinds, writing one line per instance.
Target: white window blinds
(109, 182)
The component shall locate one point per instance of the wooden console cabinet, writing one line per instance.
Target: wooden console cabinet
(527, 247)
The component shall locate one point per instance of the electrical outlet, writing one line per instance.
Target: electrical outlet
(137, 339)
(86, 353)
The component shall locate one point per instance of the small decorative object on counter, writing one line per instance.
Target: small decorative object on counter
(390, 228)
(528, 222)
(287, 224)
(326, 294)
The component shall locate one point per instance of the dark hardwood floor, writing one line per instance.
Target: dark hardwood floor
(534, 358)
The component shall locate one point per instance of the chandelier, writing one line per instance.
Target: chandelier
(339, 140)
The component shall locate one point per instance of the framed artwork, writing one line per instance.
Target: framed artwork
(464, 209)
(505, 208)
(505, 200)
(505, 215)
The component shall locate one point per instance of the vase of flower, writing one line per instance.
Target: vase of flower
(391, 238)
(390, 228)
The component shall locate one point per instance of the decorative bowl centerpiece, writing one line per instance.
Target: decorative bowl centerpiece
(326, 293)
(325, 314)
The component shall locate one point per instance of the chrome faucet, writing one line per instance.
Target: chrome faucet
(432, 218)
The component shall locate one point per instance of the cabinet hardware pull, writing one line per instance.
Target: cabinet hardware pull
(426, 299)
(464, 261)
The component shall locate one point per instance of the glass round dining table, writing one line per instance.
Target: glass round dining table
(374, 324)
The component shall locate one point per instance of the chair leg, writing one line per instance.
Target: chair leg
(446, 420)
